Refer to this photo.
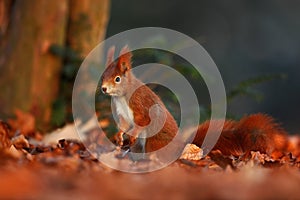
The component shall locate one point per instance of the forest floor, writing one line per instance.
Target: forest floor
(66, 170)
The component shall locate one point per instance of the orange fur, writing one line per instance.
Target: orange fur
(227, 142)
(256, 132)
(259, 132)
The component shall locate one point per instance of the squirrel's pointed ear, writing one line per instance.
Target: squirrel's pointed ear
(110, 55)
(124, 62)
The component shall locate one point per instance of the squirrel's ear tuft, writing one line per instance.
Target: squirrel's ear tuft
(124, 62)
(110, 55)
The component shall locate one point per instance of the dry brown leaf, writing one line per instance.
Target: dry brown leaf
(24, 122)
(4, 135)
(220, 159)
(20, 142)
(191, 152)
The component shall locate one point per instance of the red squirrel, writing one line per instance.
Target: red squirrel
(132, 100)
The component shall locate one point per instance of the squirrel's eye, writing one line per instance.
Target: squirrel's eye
(118, 79)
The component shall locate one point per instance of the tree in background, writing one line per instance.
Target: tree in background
(30, 74)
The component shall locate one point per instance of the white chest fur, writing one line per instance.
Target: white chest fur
(122, 108)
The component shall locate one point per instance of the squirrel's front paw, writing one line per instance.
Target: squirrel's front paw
(119, 138)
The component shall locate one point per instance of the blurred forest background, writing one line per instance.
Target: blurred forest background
(42, 41)
(246, 39)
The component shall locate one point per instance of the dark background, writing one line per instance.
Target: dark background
(246, 39)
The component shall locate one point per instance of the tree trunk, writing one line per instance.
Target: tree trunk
(87, 28)
(87, 24)
(29, 73)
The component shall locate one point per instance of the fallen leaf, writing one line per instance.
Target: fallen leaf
(24, 122)
(191, 152)
(20, 142)
(4, 135)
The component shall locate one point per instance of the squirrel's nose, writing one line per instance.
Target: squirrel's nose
(104, 89)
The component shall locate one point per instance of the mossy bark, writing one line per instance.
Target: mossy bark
(87, 24)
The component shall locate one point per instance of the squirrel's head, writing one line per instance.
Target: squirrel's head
(116, 77)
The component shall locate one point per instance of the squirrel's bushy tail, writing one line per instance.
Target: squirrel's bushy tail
(256, 132)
